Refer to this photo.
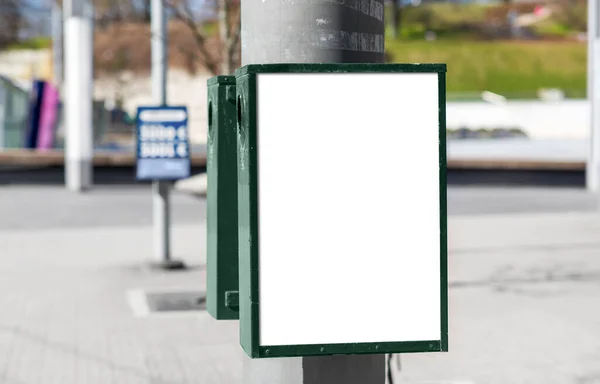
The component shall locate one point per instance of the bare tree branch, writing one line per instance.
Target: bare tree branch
(233, 37)
(235, 31)
(11, 22)
(229, 34)
(225, 32)
(186, 16)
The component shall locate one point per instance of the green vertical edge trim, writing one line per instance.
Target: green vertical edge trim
(251, 105)
(443, 212)
(222, 239)
(243, 220)
(212, 295)
(247, 214)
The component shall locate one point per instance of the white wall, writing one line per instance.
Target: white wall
(569, 119)
(182, 89)
(21, 64)
(540, 120)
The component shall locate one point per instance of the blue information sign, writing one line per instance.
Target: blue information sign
(163, 151)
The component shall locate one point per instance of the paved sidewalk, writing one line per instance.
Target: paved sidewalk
(65, 318)
(524, 302)
(524, 294)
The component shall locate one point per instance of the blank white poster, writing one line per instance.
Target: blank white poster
(349, 210)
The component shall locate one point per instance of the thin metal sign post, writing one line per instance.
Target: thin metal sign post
(161, 188)
(57, 44)
(593, 96)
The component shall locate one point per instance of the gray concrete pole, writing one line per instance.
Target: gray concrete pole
(313, 31)
(78, 94)
(593, 95)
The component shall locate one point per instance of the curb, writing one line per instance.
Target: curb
(195, 185)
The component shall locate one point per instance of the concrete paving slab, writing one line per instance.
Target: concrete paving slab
(65, 310)
(524, 308)
(523, 300)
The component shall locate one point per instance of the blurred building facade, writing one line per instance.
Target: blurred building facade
(14, 109)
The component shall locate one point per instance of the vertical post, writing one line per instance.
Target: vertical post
(3, 110)
(78, 95)
(161, 216)
(313, 31)
(160, 189)
(57, 44)
(351, 369)
(593, 94)
(90, 12)
(159, 53)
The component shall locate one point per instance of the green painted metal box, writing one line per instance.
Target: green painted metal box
(222, 227)
(342, 209)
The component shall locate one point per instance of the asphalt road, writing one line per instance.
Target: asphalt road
(53, 207)
(29, 207)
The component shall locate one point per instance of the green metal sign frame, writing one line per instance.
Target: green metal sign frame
(246, 88)
(221, 205)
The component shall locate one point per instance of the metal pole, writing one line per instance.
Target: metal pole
(161, 189)
(593, 93)
(313, 31)
(3, 113)
(78, 95)
(159, 53)
(57, 44)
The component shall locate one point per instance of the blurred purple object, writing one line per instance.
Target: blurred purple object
(48, 118)
(31, 135)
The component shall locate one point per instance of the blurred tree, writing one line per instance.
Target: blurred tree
(108, 11)
(229, 32)
(228, 11)
(11, 21)
(146, 11)
(227, 57)
(396, 17)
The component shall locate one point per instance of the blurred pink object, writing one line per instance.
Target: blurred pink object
(48, 117)
(538, 10)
